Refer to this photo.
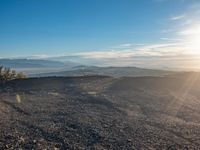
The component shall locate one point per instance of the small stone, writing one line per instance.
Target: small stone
(21, 139)
(57, 147)
(129, 140)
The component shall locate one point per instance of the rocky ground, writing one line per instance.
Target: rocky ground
(101, 113)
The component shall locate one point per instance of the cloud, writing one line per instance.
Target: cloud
(149, 50)
(178, 17)
(192, 30)
(167, 54)
(125, 45)
(171, 39)
(186, 27)
(182, 1)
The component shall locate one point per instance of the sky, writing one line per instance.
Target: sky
(146, 33)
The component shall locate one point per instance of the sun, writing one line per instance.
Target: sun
(195, 43)
(192, 39)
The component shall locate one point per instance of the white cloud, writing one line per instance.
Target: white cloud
(192, 30)
(171, 39)
(150, 50)
(178, 17)
(169, 0)
(125, 45)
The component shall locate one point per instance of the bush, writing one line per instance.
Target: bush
(6, 74)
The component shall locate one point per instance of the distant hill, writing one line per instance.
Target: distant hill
(45, 68)
(29, 63)
(36, 66)
(107, 71)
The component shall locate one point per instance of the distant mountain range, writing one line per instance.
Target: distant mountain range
(29, 63)
(107, 71)
(41, 68)
(36, 66)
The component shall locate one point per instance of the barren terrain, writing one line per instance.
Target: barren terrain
(99, 112)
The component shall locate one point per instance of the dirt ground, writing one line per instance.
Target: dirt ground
(101, 113)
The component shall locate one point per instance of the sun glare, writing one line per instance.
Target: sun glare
(195, 43)
(192, 39)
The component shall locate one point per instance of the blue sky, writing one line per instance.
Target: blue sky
(97, 29)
